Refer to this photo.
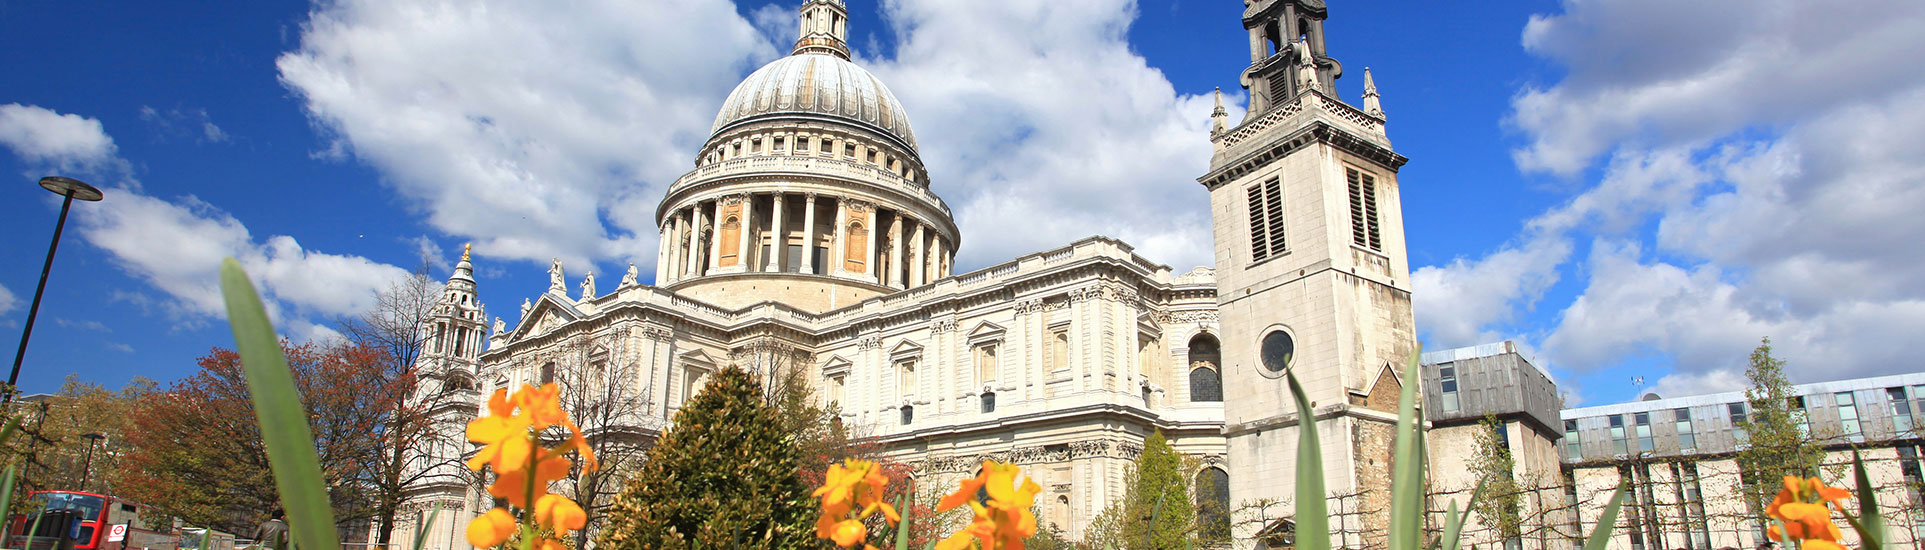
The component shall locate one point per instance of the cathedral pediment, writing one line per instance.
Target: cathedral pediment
(836, 364)
(984, 332)
(698, 357)
(905, 348)
(548, 312)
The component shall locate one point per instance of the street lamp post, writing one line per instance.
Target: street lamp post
(87, 471)
(71, 189)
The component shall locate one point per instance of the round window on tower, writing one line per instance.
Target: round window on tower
(1277, 350)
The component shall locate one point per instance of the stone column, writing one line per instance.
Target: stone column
(704, 227)
(715, 242)
(747, 233)
(674, 247)
(692, 267)
(870, 262)
(808, 233)
(661, 256)
(841, 237)
(896, 256)
(778, 234)
(918, 254)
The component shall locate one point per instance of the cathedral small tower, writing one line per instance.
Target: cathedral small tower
(825, 28)
(1286, 51)
(1311, 273)
(458, 325)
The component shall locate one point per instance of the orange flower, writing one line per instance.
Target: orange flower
(513, 486)
(503, 434)
(523, 469)
(1005, 520)
(847, 486)
(491, 529)
(1803, 507)
(558, 513)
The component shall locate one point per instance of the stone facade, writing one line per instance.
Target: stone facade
(808, 237)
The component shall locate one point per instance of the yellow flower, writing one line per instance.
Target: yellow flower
(491, 529)
(1005, 520)
(847, 486)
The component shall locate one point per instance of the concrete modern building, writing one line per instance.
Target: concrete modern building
(1679, 453)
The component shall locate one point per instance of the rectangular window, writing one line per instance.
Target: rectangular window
(1914, 477)
(906, 378)
(849, 150)
(1266, 220)
(1447, 377)
(1619, 443)
(781, 144)
(1737, 412)
(1901, 411)
(1573, 447)
(1847, 413)
(1645, 442)
(985, 364)
(838, 386)
(1059, 348)
(1364, 228)
(792, 260)
(1687, 439)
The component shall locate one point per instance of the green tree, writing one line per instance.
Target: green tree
(1500, 507)
(724, 474)
(1155, 513)
(1779, 444)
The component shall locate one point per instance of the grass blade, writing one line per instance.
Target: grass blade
(421, 534)
(207, 537)
(1454, 523)
(1870, 523)
(277, 405)
(1312, 515)
(1407, 477)
(1601, 535)
(13, 425)
(902, 527)
(6, 493)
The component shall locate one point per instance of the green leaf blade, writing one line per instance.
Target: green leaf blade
(1600, 538)
(1870, 523)
(1407, 479)
(1312, 514)
(283, 419)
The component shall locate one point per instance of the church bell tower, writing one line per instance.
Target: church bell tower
(1311, 274)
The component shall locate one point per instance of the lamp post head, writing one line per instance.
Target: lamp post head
(64, 186)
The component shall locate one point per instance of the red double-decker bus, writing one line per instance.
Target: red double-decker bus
(64, 520)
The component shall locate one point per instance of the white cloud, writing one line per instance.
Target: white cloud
(177, 246)
(188, 123)
(534, 129)
(1458, 304)
(66, 143)
(1713, 381)
(82, 324)
(1040, 126)
(7, 301)
(1705, 69)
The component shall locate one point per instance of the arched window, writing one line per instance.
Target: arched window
(1213, 505)
(908, 414)
(547, 373)
(1206, 379)
(1205, 385)
(989, 402)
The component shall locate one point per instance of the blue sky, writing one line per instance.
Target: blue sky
(1627, 188)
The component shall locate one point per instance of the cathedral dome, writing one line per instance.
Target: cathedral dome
(820, 86)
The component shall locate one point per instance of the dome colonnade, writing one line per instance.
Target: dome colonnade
(810, 177)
